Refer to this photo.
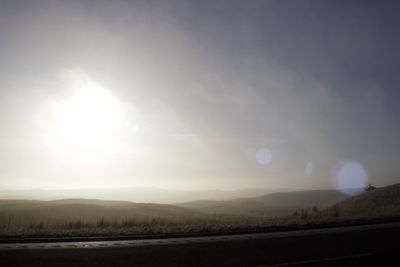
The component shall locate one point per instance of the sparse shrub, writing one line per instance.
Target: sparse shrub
(75, 224)
(304, 214)
(315, 209)
(102, 223)
(36, 226)
(370, 188)
(334, 211)
(295, 214)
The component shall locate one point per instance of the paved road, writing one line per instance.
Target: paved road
(343, 246)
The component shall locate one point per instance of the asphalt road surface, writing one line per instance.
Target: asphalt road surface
(366, 245)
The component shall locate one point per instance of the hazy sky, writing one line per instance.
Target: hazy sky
(199, 94)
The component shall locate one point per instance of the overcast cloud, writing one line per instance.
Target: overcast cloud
(206, 94)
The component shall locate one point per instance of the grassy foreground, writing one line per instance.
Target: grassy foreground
(171, 226)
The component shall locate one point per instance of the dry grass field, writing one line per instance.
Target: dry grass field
(86, 217)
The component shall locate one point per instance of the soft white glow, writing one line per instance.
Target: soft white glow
(91, 117)
(308, 171)
(134, 128)
(264, 156)
(350, 177)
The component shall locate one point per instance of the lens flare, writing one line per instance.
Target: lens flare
(264, 156)
(350, 177)
(309, 169)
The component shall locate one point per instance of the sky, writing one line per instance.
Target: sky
(199, 94)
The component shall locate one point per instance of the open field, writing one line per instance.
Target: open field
(85, 217)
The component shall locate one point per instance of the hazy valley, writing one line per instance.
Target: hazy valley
(103, 217)
(133, 194)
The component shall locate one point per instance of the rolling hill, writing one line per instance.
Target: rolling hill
(380, 202)
(270, 205)
(92, 217)
(133, 194)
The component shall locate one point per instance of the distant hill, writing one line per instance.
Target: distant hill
(134, 194)
(383, 201)
(92, 216)
(270, 205)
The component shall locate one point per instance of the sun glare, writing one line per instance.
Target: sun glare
(90, 118)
